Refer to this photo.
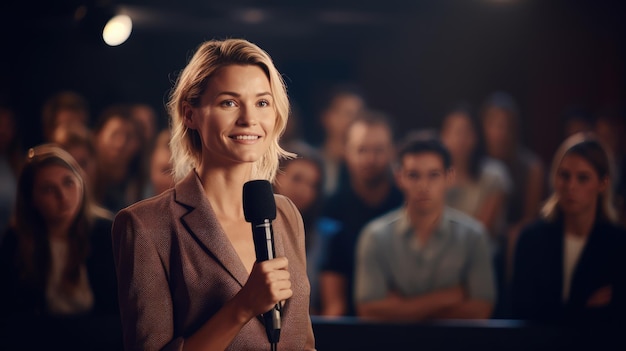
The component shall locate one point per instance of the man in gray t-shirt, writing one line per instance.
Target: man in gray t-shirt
(425, 260)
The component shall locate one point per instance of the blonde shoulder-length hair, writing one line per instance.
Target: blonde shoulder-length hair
(192, 82)
(589, 147)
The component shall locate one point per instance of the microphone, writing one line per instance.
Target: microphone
(259, 208)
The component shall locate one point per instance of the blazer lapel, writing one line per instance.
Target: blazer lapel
(201, 222)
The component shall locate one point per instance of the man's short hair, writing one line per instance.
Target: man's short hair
(420, 143)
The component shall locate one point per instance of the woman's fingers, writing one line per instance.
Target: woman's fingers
(268, 284)
(279, 263)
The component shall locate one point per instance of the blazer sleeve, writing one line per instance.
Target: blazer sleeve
(145, 301)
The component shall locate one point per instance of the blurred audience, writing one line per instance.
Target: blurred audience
(371, 192)
(161, 176)
(424, 260)
(342, 106)
(10, 164)
(120, 156)
(502, 130)
(78, 141)
(301, 179)
(146, 118)
(65, 108)
(610, 127)
(481, 183)
(56, 259)
(569, 265)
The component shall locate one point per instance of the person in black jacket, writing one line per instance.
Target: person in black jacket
(569, 265)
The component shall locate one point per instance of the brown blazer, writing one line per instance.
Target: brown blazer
(176, 268)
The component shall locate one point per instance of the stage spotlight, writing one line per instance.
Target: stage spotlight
(117, 30)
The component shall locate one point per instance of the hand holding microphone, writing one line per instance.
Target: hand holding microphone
(259, 209)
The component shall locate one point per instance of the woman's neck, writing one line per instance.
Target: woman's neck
(224, 189)
(579, 224)
(59, 230)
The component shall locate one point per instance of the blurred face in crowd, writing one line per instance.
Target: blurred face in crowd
(497, 125)
(57, 194)
(69, 117)
(458, 135)
(161, 170)
(300, 182)
(424, 181)
(236, 117)
(146, 118)
(117, 143)
(578, 185)
(341, 112)
(85, 159)
(65, 119)
(369, 152)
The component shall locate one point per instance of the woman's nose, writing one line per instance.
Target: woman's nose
(247, 116)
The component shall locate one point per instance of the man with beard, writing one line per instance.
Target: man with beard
(370, 193)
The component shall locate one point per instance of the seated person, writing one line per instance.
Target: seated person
(369, 193)
(569, 265)
(424, 261)
(57, 259)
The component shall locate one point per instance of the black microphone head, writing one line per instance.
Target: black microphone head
(258, 201)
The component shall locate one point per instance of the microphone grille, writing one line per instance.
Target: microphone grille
(258, 201)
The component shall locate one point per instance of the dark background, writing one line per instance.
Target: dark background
(413, 58)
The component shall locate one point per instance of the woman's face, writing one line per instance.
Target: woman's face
(299, 181)
(117, 142)
(577, 185)
(57, 194)
(342, 111)
(236, 116)
(458, 135)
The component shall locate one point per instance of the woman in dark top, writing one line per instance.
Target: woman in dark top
(56, 259)
(569, 265)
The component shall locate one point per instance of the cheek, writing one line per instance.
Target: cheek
(590, 192)
(77, 195)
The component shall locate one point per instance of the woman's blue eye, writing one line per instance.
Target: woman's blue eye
(264, 103)
(228, 103)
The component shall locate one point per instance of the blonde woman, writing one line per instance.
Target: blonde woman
(569, 265)
(185, 259)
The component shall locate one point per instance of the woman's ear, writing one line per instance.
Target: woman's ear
(188, 114)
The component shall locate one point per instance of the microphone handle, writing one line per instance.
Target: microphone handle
(272, 320)
(263, 236)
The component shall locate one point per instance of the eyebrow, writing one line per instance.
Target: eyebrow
(232, 93)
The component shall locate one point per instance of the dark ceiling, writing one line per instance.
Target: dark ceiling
(413, 57)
